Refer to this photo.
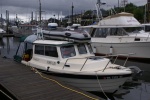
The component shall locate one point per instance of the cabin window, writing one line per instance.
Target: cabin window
(82, 49)
(51, 51)
(101, 32)
(133, 29)
(147, 28)
(90, 48)
(39, 49)
(67, 51)
(117, 31)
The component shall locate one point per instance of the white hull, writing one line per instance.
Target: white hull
(139, 49)
(79, 70)
(109, 82)
(108, 85)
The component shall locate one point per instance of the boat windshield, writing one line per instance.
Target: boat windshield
(67, 51)
(132, 30)
(90, 48)
(82, 49)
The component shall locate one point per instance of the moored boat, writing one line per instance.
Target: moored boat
(75, 64)
(120, 34)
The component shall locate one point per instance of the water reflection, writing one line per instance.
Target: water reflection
(135, 90)
(9, 46)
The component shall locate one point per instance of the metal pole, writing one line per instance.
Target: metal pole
(124, 5)
(148, 8)
(72, 14)
(118, 6)
(1, 20)
(7, 17)
(40, 11)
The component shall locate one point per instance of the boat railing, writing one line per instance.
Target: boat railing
(87, 58)
(128, 55)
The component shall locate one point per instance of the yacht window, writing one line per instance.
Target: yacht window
(90, 48)
(101, 32)
(147, 28)
(51, 51)
(67, 51)
(39, 49)
(82, 49)
(133, 29)
(117, 31)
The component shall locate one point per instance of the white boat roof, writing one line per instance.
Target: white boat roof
(51, 42)
(122, 19)
(147, 24)
(119, 14)
(110, 26)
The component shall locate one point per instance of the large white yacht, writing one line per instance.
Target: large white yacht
(74, 62)
(120, 34)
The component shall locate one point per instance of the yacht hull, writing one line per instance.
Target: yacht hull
(92, 85)
(95, 82)
(139, 49)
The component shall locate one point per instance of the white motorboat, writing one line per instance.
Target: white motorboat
(120, 34)
(75, 63)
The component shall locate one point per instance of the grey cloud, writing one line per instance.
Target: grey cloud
(55, 6)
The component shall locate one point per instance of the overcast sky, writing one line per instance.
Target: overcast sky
(23, 8)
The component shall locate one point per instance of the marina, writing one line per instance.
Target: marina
(19, 82)
(128, 90)
(97, 54)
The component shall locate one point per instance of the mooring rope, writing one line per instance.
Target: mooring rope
(36, 71)
(101, 87)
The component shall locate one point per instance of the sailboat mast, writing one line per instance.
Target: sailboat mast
(40, 12)
(99, 9)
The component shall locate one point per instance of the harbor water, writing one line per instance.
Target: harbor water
(135, 90)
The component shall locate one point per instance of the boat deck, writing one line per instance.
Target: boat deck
(19, 82)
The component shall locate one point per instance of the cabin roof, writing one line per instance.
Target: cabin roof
(111, 26)
(51, 42)
(119, 14)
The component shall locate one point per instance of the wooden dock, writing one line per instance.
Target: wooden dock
(19, 82)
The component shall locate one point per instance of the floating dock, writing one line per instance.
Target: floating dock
(19, 82)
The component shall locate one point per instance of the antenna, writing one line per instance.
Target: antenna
(72, 13)
(124, 3)
(39, 29)
(98, 5)
(40, 11)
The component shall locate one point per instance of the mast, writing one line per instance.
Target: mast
(39, 30)
(72, 14)
(40, 12)
(98, 5)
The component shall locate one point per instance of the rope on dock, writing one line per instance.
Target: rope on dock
(36, 71)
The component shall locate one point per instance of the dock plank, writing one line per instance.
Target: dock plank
(25, 84)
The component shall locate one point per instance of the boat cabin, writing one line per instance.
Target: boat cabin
(60, 49)
(104, 31)
(53, 43)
